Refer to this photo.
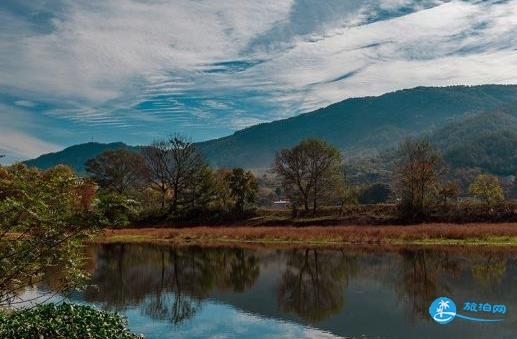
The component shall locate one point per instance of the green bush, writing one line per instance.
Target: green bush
(63, 321)
(116, 210)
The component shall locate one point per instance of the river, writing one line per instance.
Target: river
(225, 292)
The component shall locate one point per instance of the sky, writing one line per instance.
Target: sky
(72, 71)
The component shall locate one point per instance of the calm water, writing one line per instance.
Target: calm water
(193, 292)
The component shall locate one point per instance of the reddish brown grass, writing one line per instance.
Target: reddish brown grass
(348, 234)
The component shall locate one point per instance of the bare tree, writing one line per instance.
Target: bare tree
(157, 161)
(184, 162)
(418, 169)
(310, 171)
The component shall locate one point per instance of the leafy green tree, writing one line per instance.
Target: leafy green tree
(223, 195)
(243, 188)
(418, 169)
(44, 215)
(200, 191)
(309, 171)
(487, 188)
(115, 210)
(117, 171)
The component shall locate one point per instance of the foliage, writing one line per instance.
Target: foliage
(63, 321)
(43, 217)
(243, 188)
(115, 210)
(418, 169)
(487, 140)
(487, 188)
(309, 172)
(117, 171)
(223, 200)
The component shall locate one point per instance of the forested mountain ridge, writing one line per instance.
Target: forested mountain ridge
(470, 124)
(486, 140)
(359, 125)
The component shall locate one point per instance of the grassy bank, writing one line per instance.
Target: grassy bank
(502, 234)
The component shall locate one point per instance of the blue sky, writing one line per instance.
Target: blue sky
(138, 70)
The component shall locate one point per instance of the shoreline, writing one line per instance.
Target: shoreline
(480, 234)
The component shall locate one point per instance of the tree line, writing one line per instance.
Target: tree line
(170, 179)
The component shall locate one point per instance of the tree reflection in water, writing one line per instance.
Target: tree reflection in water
(490, 272)
(168, 282)
(314, 283)
(418, 282)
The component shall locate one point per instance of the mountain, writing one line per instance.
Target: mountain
(487, 140)
(75, 156)
(359, 126)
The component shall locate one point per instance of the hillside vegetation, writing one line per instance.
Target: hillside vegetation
(359, 125)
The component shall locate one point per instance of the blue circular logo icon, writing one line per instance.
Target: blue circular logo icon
(442, 310)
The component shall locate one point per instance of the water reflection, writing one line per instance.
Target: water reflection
(340, 291)
(131, 275)
(419, 282)
(313, 283)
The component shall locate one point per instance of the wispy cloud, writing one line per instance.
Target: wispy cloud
(17, 140)
(138, 69)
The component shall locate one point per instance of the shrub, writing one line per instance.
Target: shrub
(116, 210)
(63, 321)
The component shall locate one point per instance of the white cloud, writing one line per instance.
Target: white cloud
(100, 50)
(455, 43)
(97, 60)
(17, 140)
(18, 145)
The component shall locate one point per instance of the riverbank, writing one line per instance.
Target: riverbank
(497, 234)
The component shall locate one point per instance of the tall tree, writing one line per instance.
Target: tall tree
(243, 188)
(117, 171)
(418, 169)
(157, 159)
(184, 164)
(223, 193)
(309, 171)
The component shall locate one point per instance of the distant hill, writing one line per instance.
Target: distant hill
(75, 156)
(362, 126)
(487, 140)
(359, 125)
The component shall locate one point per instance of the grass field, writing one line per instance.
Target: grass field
(501, 234)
